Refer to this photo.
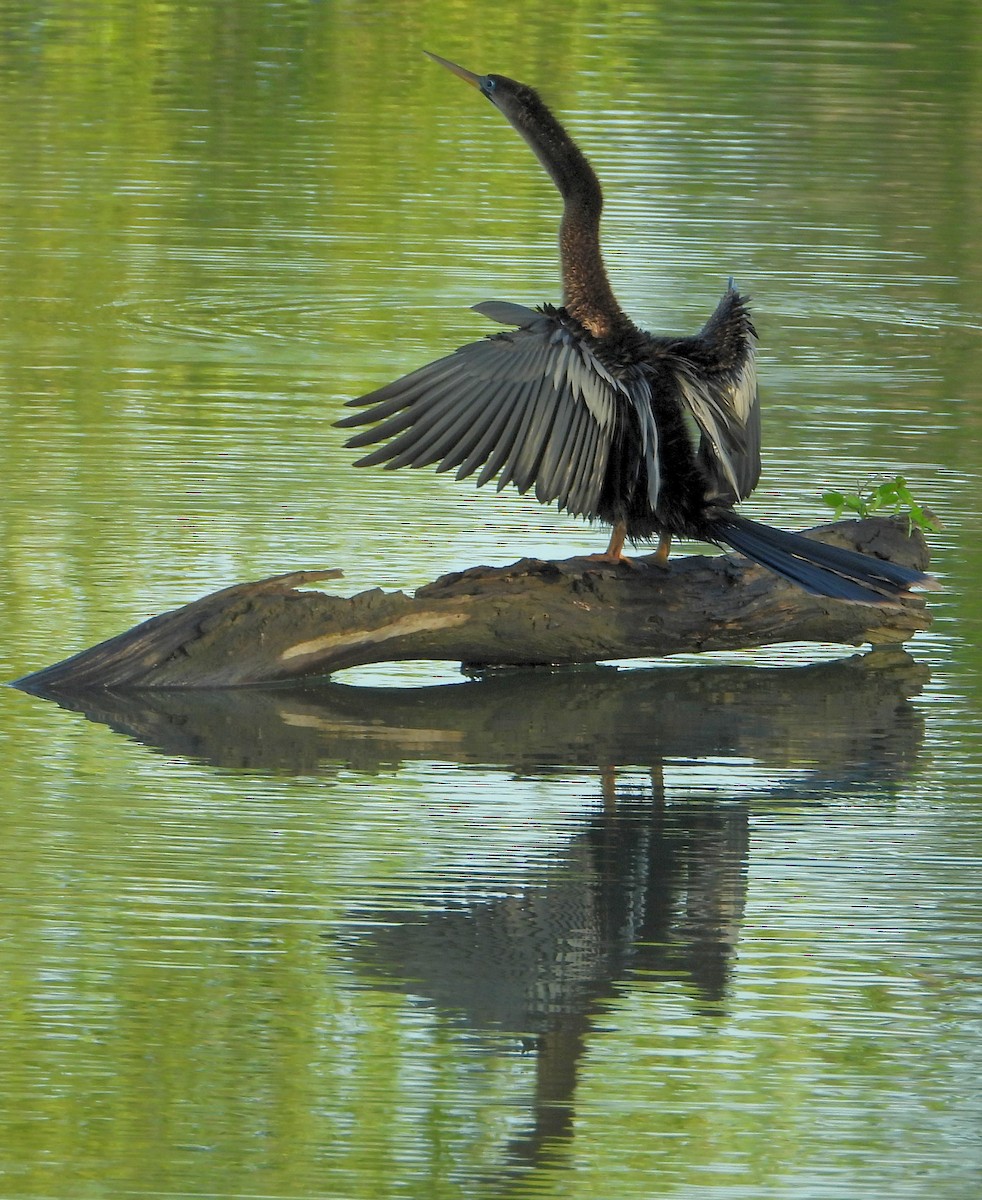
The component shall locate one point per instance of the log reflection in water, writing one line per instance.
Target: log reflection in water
(852, 718)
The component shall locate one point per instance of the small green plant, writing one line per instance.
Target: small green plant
(890, 496)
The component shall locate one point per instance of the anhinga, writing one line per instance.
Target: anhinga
(593, 413)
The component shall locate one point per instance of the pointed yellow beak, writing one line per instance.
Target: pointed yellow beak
(467, 76)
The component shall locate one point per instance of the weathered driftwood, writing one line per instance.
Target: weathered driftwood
(532, 612)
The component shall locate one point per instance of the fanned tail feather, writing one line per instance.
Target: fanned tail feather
(817, 567)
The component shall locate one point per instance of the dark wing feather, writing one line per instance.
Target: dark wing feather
(534, 407)
(717, 374)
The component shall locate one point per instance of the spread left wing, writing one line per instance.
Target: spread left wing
(533, 407)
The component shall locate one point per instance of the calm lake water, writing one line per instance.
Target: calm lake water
(704, 928)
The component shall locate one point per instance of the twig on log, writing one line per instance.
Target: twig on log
(532, 612)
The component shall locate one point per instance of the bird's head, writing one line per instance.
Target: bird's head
(514, 100)
(524, 108)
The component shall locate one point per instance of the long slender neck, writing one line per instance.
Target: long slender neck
(587, 293)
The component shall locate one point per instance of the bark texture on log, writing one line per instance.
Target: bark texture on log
(533, 612)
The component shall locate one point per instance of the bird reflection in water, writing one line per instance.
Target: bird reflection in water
(646, 889)
(594, 413)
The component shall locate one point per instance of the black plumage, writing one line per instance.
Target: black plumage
(594, 413)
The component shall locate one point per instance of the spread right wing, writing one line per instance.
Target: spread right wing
(533, 407)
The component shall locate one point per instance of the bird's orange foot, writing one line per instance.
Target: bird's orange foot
(613, 553)
(660, 556)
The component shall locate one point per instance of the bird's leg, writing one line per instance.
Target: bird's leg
(614, 551)
(663, 551)
(615, 548)
(608, 788)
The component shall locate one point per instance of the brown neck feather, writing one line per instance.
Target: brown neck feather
(587, 294)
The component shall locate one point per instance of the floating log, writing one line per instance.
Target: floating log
(533, 612)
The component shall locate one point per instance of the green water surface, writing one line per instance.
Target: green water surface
(698, 929)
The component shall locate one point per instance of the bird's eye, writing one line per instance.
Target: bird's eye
(488, 84)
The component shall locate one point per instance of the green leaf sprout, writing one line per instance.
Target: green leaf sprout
(890, 496)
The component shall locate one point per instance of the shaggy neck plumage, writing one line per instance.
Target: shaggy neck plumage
(587, 293)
